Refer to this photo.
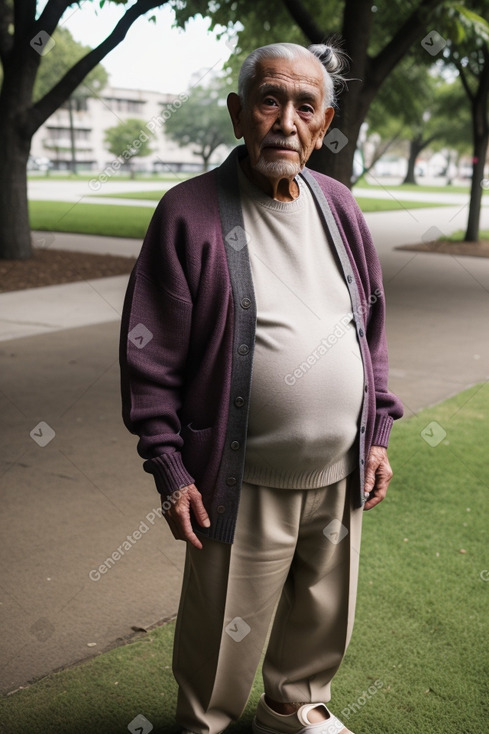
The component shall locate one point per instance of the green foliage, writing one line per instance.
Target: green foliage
(55, 64)
(413, 104)
(202, 120)
(259, 22)
(127, 140)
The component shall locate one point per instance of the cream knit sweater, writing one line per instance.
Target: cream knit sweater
(307, 383)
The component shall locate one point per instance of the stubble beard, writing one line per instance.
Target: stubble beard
(277, 169)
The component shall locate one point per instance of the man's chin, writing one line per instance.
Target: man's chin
(277, 169)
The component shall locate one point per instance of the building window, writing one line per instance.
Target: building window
(120, 104)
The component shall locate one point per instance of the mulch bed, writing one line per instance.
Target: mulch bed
(447, 247)
(52, 267)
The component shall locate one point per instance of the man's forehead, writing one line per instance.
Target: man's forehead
(300, 74)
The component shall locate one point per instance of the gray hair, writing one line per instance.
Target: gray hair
(333, 62)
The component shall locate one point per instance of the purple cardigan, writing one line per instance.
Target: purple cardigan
(188, 329)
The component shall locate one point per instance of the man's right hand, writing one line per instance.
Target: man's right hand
(178, 515)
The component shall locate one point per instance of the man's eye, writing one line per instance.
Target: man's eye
(269, 101)
(307, 108)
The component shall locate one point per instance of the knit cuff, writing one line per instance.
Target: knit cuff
(383, 425)
(169, 472)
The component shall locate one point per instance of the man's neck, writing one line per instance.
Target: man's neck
(280, 189)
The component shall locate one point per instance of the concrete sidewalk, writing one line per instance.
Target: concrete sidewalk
(74, 492)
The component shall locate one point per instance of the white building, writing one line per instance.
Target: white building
(92, 116)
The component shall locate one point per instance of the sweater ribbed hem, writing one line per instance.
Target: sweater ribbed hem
(266, 477)
(169, 473)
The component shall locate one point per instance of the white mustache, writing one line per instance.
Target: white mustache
(278, 142)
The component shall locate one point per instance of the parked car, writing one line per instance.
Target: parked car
(38, 164)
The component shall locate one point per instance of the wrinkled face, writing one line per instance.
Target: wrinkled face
(284, 118)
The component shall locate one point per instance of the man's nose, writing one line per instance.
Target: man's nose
(286, 119)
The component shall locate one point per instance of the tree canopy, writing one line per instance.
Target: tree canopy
(203, 120)
(127, 141)
(26, 39)
(56, 63)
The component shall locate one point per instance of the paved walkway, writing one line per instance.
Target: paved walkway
(73, 488)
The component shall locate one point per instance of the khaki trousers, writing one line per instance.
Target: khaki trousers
(291, 573)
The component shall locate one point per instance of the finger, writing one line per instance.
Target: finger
(199, 510)
(181, 529)
(370, 477)
(193, 540)
(374, 499)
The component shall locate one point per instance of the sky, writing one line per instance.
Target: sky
(153, 56)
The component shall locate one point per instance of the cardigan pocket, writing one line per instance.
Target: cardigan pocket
(196, 449)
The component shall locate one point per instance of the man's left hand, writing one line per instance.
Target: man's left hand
(377, 476)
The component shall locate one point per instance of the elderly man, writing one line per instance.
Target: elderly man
(254, 370)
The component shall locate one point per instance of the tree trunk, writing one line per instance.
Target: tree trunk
(335, 158)
(205, 161)
(337, 165)
(19, 73)
(414, 150)
(473, 222)
(366, 75)
(19, 118)
(72, 136)
(15, 236)
(480, 132)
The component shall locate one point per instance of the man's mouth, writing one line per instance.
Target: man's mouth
(279, 145)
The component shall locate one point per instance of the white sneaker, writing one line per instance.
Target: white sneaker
(268, 721)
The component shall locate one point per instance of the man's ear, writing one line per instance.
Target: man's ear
(328, 119)
(235, 108)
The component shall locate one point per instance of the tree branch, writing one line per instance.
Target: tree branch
(483, 87)
(464, 80)
(304, 20)
(45, 107)
(51, 15)
(395, 50)
(382, 149)
(424, 143)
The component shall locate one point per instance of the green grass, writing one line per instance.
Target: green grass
(366, 204)
(460, 234)
(418, 188)
(110, 220)
(62, 176)
(148, 195)
(421, 628)
(382, 205)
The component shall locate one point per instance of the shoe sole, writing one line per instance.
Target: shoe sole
(330, 727)
(260, 729)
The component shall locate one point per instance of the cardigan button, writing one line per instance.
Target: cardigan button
(243, 349)
(363, 429)
(231, 481)
(221, 509)
(239, 401)
(235, 445)
(349, 278)
(361, 332)
(245, 302)
(366, 388)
